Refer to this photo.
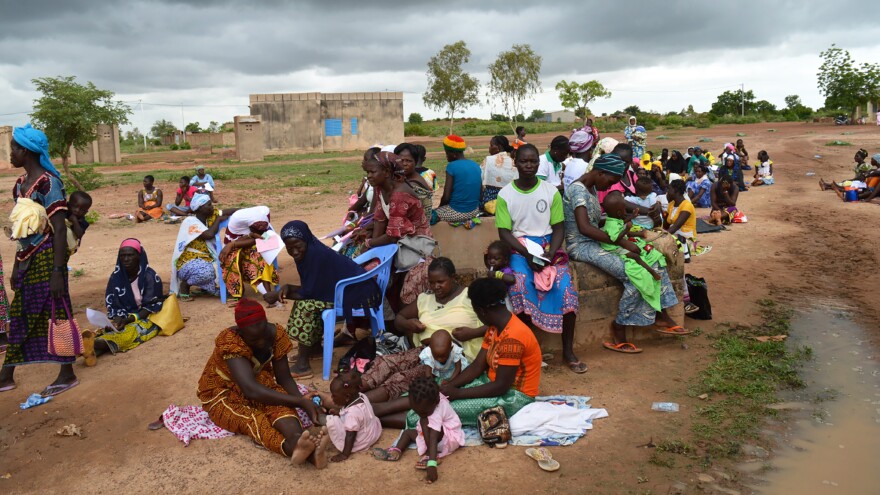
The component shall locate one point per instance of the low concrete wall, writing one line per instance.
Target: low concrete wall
(202, 139)
(598, 293)
(5, 146)
(249, 138)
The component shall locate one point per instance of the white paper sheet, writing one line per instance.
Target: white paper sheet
(535, 249)
(98, 318)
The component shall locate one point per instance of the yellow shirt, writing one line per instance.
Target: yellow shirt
(689, 228)
(458, 312)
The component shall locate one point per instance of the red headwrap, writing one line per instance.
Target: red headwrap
(249, 312)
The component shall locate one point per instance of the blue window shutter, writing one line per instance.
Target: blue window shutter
(333, 127)
(354, 126)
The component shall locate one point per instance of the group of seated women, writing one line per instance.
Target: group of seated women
(865, 184)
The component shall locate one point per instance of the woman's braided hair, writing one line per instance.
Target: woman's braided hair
(424, 390)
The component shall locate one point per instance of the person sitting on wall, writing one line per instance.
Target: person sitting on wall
(460, 204)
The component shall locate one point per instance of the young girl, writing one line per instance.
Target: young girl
(681, 218)
(443, 356)
(437, 434)
(497, 260)
(764, 171)
(356, 428)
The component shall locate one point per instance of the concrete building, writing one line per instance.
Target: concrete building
(105, 149)
(558, 116)
(248, 138)
(5, 146)
(328, 121)
(201, 138)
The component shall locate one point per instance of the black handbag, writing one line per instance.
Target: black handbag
(698, 290)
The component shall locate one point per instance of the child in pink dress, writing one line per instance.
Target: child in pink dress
(438, 432)
(356, 428)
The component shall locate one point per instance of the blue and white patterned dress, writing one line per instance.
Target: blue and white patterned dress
(633, 309)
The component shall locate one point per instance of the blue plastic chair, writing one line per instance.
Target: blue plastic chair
(218, 245)
(385, 255)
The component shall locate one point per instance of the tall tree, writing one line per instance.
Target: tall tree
(450, 88)
(514, 77)
(162, 128)
(193, 127)
(845, 85)
(730, 102)
(69, 113)
(577, 96)
(796, 108)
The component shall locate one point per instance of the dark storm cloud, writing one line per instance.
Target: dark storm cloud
(155, 46)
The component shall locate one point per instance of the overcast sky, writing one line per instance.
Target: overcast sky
(210, 55)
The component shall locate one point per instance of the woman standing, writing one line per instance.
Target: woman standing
(400, 215)
(320, 269)
(583, 236)
(39, 274)
(239, 258)
(498, 169)
(529, 212)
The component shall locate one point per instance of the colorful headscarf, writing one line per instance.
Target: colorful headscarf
(389, 161)
(454, 143)
(35, 140)
(581, 140)
(132, 243)
(249, 312)
(610, 163)
(198, 200)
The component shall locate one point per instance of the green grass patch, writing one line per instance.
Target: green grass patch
(705, 140)
(661, 137)
(743, 380)
(740, 134)
(837, 142)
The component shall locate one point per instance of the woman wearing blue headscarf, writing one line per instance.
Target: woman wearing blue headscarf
(320, 268)
(39, 275)
(583, 235)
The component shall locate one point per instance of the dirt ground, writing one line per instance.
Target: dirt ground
(801, 246)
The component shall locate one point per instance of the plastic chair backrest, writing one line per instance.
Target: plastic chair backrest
(382, 272)
(218, 245)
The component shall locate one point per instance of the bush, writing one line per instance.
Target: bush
(415, 118)
(92, 217)
(174, 147)
(186, 146)
(88, 178)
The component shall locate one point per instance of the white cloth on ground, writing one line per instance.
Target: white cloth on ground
(547, 419)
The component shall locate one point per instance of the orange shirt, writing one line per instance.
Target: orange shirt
(516, 346)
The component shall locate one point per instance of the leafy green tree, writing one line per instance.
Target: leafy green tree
(794, 109)
(69, 113)
(845, 85)
(764, 107)
(415, 118)
(450, 88)
(162, 128)
(536, 115)
(193, 127)
(730, 103)
(576, 96)
(632, 110)
(514, 77)
(214, 126)
(133, 135)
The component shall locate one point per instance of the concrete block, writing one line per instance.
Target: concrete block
(287, 97)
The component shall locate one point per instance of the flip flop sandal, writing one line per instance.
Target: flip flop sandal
(624, 347)
(184, 298)
(547, 356)
(676, 330)
(303, 375)
(423, 463)
(53, 390)
(156, 425)
(385, 454)
(544, 458)
(578, 367)
(690, 308)
(9, 387)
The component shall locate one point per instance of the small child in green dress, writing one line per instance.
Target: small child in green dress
(627, 244)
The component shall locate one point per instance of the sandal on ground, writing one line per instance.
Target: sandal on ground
(391, 454)
(302, 375)
(184, 297)
(690, 308)
(156, 425)
(53, 390)
(676, 330)
(547, 356)
(544, 458)
(624, 347)
(423, 463)
(578, 367)
(7, 388)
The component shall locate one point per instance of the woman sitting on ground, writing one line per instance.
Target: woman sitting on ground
(192, 264)
(239, 258)
(406, 153)
(732, 169)
(724, 194)
(460, 203)
(149, 201)
(860, 172)
(399, 215)
(246, 388)
(676, 164)
(320, 269)
(134, 293)
(764, 170)
(185, 193)
(498, 170)
(446, 306)
(700, 188)
(529, 212)
(583, 234)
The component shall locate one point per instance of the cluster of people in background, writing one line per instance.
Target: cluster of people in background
(865, 183)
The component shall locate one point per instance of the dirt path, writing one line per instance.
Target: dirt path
(800, 245)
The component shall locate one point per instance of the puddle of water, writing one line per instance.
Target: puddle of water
(835, 443)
